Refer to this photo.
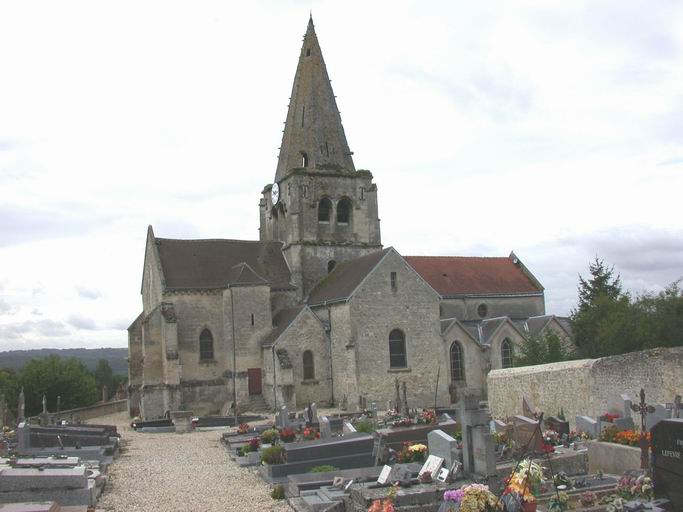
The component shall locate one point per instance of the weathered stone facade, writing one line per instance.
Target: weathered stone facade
(587, 387)
(316, 309)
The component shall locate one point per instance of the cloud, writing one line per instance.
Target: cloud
(82, 322)
(47, 328)
(120, 324)
(36, 312)
(5, 307)
(21, 224)
(88, 293)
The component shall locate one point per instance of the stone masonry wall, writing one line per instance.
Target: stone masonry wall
(586, 387)
(414, 309)
(515, 307)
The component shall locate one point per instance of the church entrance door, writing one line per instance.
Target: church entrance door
(254, 375)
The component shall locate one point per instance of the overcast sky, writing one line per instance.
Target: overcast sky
(553, 129)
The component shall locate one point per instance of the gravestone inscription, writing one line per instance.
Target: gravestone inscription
(667, 456)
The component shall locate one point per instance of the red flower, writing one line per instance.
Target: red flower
(548, 448)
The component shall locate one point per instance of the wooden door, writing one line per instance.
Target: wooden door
(254, 375)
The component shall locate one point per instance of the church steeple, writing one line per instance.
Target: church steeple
(314, 136)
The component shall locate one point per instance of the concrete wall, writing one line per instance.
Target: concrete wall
(95, 411)
(586, 387)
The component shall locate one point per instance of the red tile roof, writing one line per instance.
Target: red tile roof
(465, 275)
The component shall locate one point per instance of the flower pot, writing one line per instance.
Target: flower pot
(529, 506)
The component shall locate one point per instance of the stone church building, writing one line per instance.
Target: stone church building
(317, 309)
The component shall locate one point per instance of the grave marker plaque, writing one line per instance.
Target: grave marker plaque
(667, 448)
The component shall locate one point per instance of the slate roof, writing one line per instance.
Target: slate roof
(281, 321)
(466, 275)
(197, 264)
(345, 278)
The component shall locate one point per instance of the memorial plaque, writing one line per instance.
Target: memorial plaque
(431, 466)
(384, 475)
(667, 452)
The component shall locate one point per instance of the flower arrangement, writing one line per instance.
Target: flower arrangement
(630, 487)
(525, 481)
(243, 428)
(477, 498)
(610, 417)
(500, 437)
(251, 446)
(551, 437)
(613, 503)
(269, 436)
(309, 434)
(412, 453)
(287, 435)
(588, 498)
(577, 436)
(402, 422)
(385, 505)
(625, 437)
(273, 455)
(427, 417)
(559, 502)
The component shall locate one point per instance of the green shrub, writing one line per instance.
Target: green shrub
(365, 426)
(273, 455)
(325, 468)
(278, 492)
(269, 436)
(244, 450)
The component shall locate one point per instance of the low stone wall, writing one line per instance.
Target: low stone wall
(612, 458)
(586, 387)
(95, 411)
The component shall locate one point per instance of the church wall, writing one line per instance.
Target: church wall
(152, 401)
(248, 301)
(280, 300)
(307, 333)
(134, 366)
(514, 307)
(506, 331)
(475, 359)
(413, 308)
(344, 362)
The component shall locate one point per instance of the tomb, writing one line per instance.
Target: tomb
(667, 457)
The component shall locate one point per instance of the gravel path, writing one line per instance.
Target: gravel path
(180, 472)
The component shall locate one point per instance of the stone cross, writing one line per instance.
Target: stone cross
(397, 405)
(44, 405)
(22, 406)
(678, 407)
(644, 409)
(404, 389)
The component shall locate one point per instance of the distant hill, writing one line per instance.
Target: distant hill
(116, 357)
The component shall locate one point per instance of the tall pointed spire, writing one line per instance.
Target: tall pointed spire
(314, 136)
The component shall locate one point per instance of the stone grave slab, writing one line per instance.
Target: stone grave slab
(667, 455)
(661, 413)
(587, 425)
(348, 428)
(624, 423)
(558, 425)
(396, 436)
(325, 429)
(620, 405)
(19, 479)
(444, 446)
(526, 434)
(35, 506)
(358, 443)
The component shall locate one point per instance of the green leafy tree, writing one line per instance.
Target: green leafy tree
(542, 348)
(661, 317)
(9, 388)
(104, 377)
(53, 377)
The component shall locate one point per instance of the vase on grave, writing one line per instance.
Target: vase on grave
(529, 506)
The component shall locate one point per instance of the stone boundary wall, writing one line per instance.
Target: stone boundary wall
(586, 387)
(95, 411)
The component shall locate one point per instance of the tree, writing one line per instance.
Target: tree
(53, 377)
(542, 348)
(104, 376)
(602, 313)
(9, 388)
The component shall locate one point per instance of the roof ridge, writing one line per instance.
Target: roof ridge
(217, 240)
(464, 257)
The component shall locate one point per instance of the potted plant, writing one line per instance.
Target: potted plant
(273, 455)
(243, 428)
(269, 436)
(287, 435)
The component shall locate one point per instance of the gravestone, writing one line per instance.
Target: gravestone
(314, 413)
(348, 428)
(21, 408)
(182, 421)
(667, 456)
(479, 457)
(405, 411)
(526, 434)
(375, 411)
(588, 425)
(528, 408)
(558, 425)
(282, 417)
(661, 413)
(624, 423)
(444, 446)
(620, 405)
(325, 430)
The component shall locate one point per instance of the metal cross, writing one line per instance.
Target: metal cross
(644, 410)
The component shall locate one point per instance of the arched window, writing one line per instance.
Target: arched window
(309, 366)
(344, 211)
(330, 266)
(205, 345)
(397, 349)
(457, 367)
(506, 353)
(304, 157)
(324, 209)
